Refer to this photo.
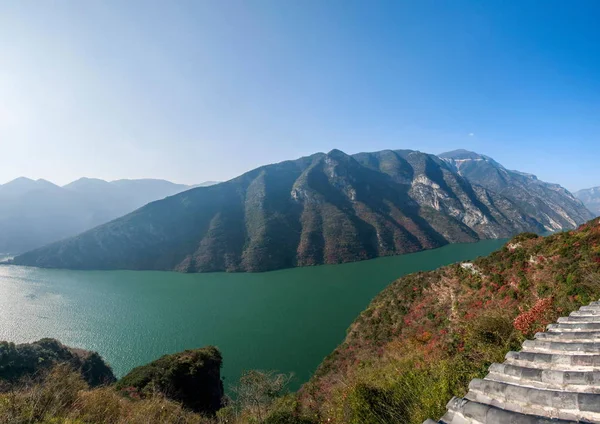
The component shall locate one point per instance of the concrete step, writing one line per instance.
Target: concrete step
(592, 319)
(549, 361)
(586, 313)
(466, 411)
(532, 401)
(571, 381)
(574, 327)
(590, 307)
(580, 348)
(569, 336)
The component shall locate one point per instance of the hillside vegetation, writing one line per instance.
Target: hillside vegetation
(427, 335)
(323, 209)
(47, 382)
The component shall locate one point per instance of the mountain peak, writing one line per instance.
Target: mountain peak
(337, 154)
(20, 181)
(84, 183)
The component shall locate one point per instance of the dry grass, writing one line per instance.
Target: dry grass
(62, 397)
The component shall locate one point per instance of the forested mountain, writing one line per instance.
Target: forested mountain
(325, 208)
(590, 198)
(35, 213)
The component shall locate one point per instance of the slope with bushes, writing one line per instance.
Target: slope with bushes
(427, 335)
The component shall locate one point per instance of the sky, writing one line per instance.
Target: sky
(208, 89)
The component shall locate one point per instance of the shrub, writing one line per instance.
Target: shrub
(192, 377)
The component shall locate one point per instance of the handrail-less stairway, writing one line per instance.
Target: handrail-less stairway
(553, 379)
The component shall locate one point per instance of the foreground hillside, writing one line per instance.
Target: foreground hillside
(323, 209)
(427, 335)
(49, 383)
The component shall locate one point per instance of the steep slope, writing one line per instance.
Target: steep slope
(550, 204)
(35, 213)
(326, 208)
(427, 335)
(590, 198)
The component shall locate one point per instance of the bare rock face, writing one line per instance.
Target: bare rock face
(555, 378)
(322, 209)
(550, 204)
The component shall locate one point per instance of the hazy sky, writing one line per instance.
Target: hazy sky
(205, 90)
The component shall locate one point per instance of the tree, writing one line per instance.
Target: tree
(257, 390)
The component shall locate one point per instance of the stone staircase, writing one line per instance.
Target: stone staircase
(555, 379)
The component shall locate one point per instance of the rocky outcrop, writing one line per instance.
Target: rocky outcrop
(555, 378)
(32, 360)
(191, 377)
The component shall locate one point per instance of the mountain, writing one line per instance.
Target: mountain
(590, 198)
(35, 213)
(427, 335)
(325, 208)
(550, 204)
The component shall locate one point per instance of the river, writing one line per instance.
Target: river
(286, 320)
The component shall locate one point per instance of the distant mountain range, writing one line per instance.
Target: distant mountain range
(325, 208)
(590, 198)
(35, 213)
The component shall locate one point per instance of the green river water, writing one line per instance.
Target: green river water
(286, 320)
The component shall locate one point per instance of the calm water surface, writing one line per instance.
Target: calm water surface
(285, 320)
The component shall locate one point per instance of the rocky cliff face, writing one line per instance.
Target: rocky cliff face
(326, 208)
(550, 204)
(590, 198)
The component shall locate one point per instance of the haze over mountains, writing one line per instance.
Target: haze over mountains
(590, 198)
(325, 208)
(34, 213)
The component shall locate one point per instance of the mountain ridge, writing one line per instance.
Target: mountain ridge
(34, 213)
(590, 198)
(324, 208)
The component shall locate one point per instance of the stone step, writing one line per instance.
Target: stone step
(466, 411)
(549, 361)
(571, 381)
(592, 319)
(586, 313)
(574, 327)
(532, 401)
(580, 348)
(590, 307)
(570, 336)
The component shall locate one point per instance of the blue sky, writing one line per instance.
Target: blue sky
(205, 90)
